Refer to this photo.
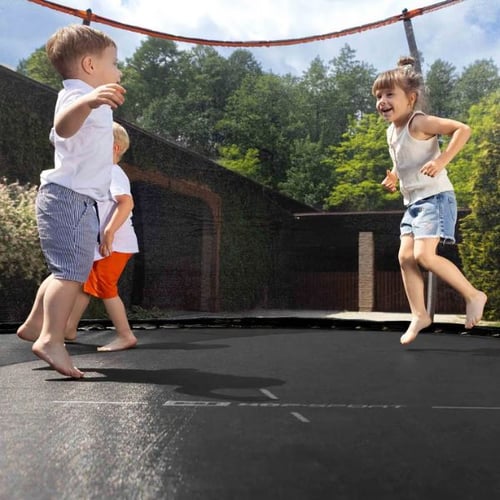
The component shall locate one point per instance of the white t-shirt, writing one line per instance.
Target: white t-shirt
(125, 238)
(83, 162)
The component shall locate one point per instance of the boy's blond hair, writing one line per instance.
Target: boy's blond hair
(71, 43)
(120, 138)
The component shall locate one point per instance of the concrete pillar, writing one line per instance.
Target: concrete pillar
(366, 271)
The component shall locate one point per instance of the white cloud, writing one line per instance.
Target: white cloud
(459, 34)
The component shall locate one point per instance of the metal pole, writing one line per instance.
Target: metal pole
(431, 294)
(412, 44)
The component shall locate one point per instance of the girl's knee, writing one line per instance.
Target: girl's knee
(424, 259)
(406, 258)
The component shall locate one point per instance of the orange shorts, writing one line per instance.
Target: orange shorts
(103, 278)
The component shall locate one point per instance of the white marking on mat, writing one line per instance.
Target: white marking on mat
(300, 417)
(269, 394)
(102, 402)
(277, 404)
(197, 403)
(466, 407)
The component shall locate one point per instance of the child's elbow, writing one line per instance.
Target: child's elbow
(63, 130)
(467, 131)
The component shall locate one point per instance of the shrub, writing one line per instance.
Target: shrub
(20, 254)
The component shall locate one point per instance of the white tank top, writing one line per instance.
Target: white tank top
(409, 155)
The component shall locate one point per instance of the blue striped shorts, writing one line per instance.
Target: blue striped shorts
(67, 227)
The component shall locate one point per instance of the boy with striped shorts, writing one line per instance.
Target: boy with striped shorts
(66, 203)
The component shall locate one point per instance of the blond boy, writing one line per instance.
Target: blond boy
(118, 244)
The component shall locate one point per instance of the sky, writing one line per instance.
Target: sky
(459, 34)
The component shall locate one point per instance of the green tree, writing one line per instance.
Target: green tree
(191, 105)
(245, 164)
(476, 81)
(359, 164)
(440, 81)
(350, 92)
(148, 75)
(317, 88)
(482, 119)
(263, 114)
(38, 67)
(308, 179)
(480, 248)
(185, 99)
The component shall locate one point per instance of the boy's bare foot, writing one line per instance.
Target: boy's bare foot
(28, 332)
(416, 326)
(120, 343)
(57, 357)
(474, 309)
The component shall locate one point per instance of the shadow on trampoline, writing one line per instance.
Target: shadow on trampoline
(187, 381)
(84, 348)
(492, 353)
(179, 346)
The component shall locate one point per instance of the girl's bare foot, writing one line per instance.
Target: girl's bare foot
(57, 357)
(70, 336)
(416, 326)
(474, 309)
(120, 343)
(28, 332)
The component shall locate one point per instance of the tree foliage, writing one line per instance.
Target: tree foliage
(359, 164)
(38, 67)
(246, 164)
(480, 249)
(309, 178)
(294, 134)
(476, 81)
(440, 81)
(20, 254)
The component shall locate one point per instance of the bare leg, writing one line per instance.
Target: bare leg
(425, 253)
(118, 315)
(413, 282)
(81, 303)
(58, 301)
(32, 326)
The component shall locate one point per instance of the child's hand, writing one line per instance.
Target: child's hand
(390, 182)
(111, 94)
(431, 168)
(106, 246)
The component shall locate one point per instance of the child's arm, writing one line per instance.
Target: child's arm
(124, 205)
(69, 120)
(428, 126)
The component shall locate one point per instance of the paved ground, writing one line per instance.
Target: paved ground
(254, 413)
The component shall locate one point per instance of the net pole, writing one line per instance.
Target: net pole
(410, 37)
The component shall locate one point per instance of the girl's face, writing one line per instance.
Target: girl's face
(394, 105)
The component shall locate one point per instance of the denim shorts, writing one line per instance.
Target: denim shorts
(67, 227)
(432, 217)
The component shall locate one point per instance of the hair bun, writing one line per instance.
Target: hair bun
(406, 61)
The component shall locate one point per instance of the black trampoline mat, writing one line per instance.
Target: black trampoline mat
(254, 413)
